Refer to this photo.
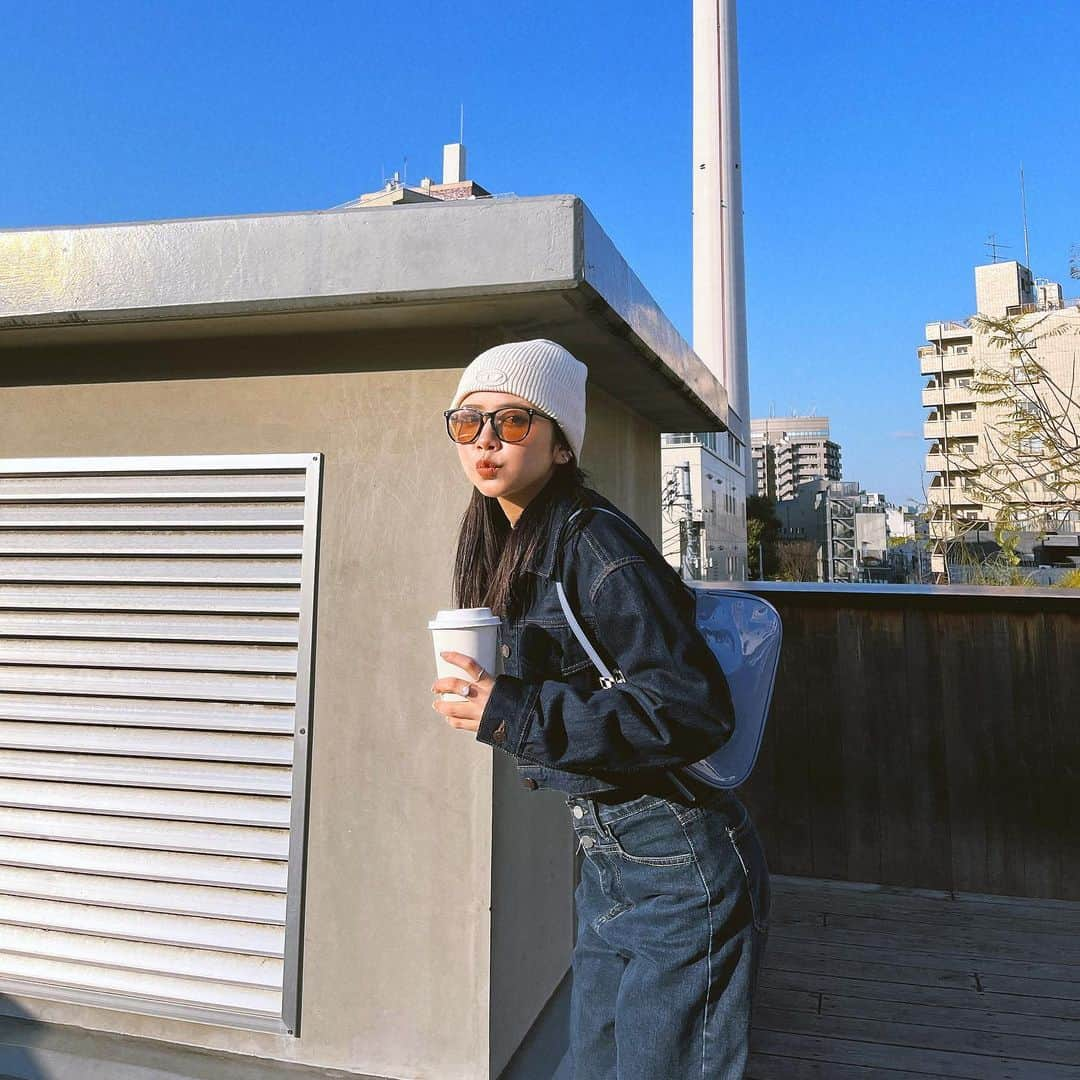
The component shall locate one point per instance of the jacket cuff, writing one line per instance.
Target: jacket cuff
(505, 720)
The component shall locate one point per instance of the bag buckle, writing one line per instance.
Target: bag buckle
(607, 682)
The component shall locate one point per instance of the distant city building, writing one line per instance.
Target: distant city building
(788, 451)
(454, 185)
(962, 427)
(848, 528)
(704, 504)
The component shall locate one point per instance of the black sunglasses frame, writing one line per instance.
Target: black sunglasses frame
(491, 416)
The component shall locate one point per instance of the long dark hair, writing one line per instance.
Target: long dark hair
(490, 553)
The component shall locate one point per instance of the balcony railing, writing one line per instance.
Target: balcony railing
(952, 395)
(936, 429)
(955, 463)
(933, 363)
(948, 329)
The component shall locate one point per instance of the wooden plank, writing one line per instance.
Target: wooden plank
(818, 961)
(937, 1063)
(908, 893)
(970, 934)
(853, 946)
(774, 1067)
(898, 1033)
(867, 638)
(996, 983)
(1039, 1015)
(812, 905)
(924, 773)
(980, 1021)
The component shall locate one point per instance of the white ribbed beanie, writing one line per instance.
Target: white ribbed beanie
(540, 371)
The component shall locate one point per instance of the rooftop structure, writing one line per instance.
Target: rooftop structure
(224, 476)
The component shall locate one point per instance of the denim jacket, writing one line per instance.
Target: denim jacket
(548, 710)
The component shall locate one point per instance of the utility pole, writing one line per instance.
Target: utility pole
(689, 529)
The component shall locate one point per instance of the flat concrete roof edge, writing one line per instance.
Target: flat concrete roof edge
(270, 306)
(612, 278)
(263, 215)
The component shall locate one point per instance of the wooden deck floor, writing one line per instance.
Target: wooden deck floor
(865, 981)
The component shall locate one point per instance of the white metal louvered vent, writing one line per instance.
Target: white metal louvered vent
(156, 621)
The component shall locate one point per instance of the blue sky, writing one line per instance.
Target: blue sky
(881, 145)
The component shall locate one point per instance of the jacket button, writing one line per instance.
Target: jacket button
(504, 649)
(530, 783)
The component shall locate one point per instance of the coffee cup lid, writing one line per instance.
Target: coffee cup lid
(465, 618)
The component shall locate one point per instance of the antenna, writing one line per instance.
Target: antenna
(1023, 204)
(405, 171)
(461, 132)
(993, 245)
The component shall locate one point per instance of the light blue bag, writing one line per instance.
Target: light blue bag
(744, 633)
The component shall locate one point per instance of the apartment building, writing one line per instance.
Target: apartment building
(964, 429)
(704, 504)
(788, 451)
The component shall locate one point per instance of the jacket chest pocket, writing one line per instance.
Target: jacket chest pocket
(551, 651)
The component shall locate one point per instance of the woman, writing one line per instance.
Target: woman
(672, 905)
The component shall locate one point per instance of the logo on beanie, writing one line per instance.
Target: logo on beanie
(491, 375)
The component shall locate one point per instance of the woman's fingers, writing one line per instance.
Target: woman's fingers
(466, 663)
(475, 689)
(460, 714)
(452, 685)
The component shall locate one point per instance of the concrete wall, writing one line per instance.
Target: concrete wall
(403, 861)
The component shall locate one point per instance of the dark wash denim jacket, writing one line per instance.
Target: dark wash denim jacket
(548, 709)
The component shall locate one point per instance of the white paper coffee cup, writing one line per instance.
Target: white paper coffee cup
(471, 631)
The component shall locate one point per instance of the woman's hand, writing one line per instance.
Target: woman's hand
(464, 714)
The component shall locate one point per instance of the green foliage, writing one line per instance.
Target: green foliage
(1034, 448)
(762, 535)
(1071, 580)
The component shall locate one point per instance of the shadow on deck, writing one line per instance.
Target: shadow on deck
(864, 981)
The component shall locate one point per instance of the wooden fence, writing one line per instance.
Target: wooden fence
(925, 737)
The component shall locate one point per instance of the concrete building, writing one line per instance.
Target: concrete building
(847, 526)
(962, 427)
(789, 451)
(704, 504)
(236, 841)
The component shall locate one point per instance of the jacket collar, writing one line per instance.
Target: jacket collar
(543, 562)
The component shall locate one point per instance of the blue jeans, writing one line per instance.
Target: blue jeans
(672, 914)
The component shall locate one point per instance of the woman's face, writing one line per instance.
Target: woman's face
(513, 473)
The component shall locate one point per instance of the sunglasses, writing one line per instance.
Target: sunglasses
(510, 424)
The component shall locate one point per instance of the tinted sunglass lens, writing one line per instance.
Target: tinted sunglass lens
(464, 425)
(513, 425)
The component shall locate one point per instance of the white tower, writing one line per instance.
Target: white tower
(719, 283)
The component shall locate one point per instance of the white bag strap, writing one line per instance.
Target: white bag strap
(607, 678)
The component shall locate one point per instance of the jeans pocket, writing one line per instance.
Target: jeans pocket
(751, 855)
(651, 835)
